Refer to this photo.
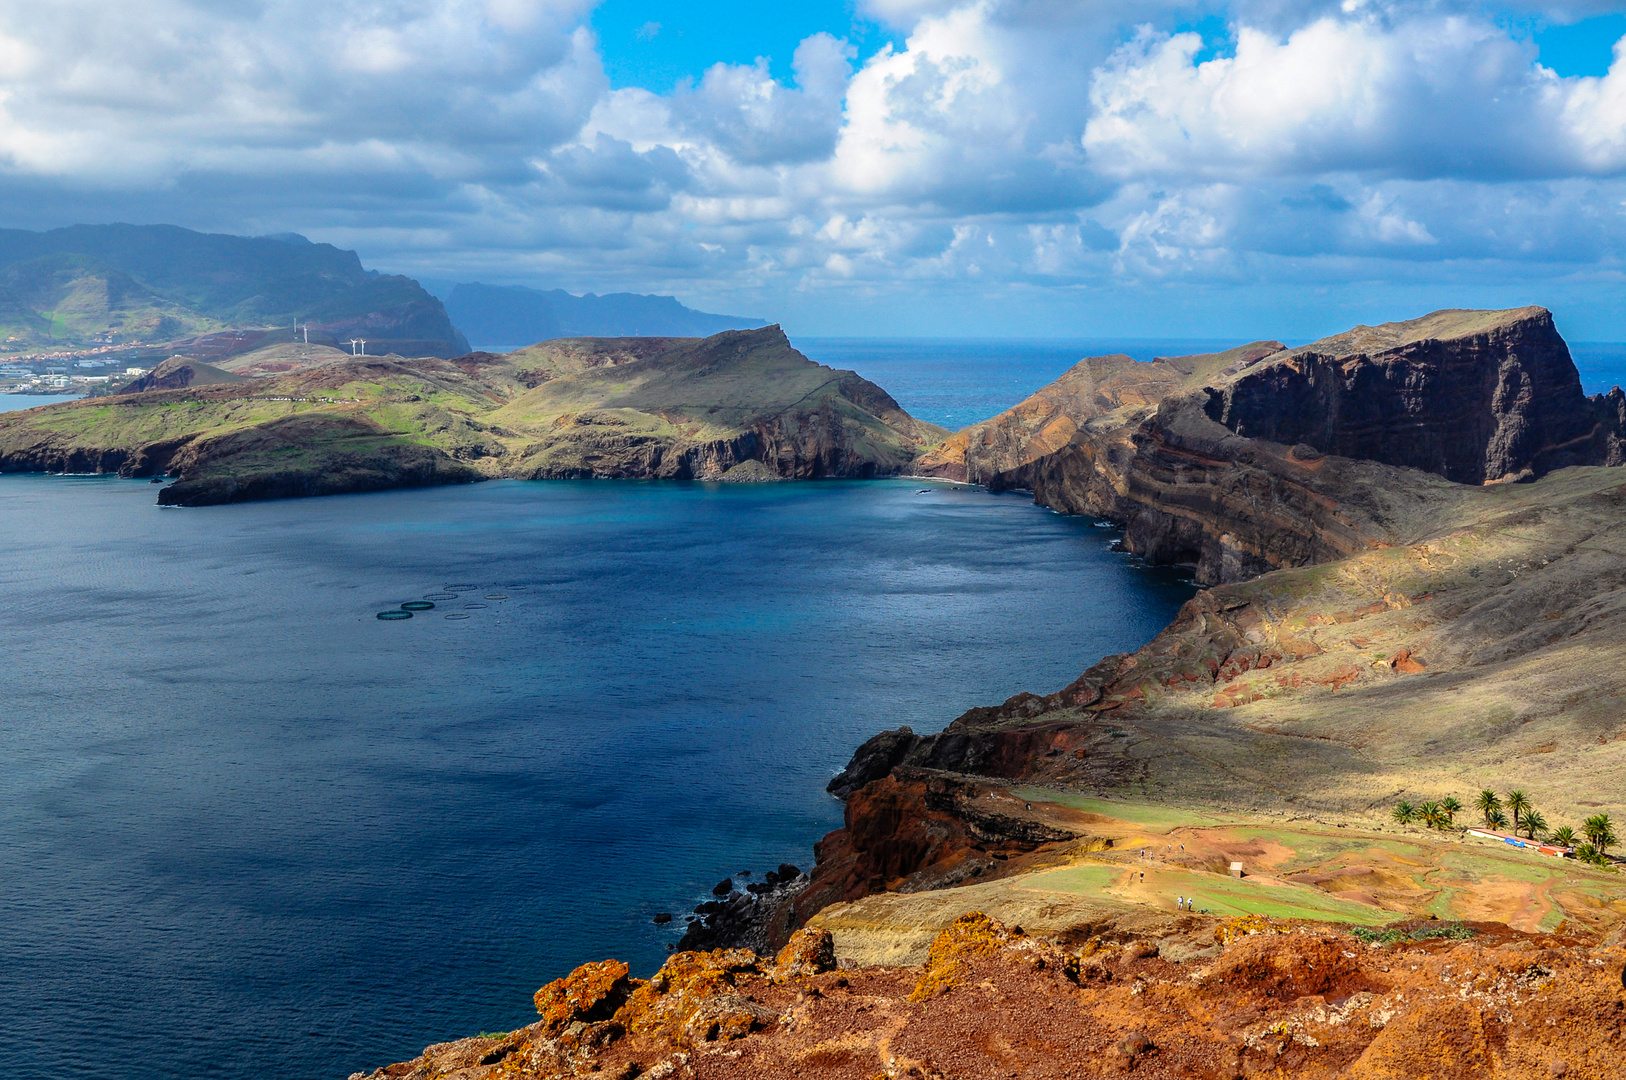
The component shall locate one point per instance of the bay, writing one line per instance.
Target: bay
(250, 829)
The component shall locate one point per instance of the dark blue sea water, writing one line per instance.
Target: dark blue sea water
(247, 828)
(1602, 364)
(959, 381)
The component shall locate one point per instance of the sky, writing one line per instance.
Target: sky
(997, 168)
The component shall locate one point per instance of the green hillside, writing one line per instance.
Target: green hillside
(90, 284)
(737, 406)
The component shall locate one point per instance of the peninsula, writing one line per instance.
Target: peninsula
(740, 405)
(1200, 859)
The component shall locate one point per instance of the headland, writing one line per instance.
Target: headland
(287, 421)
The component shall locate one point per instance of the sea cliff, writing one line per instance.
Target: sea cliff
(1265, 457)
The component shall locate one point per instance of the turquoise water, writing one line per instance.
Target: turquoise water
(250, 829)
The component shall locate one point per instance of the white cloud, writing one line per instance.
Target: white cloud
(753, 119)
(1005, 144)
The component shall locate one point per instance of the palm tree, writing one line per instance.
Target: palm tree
(1488, 805)
(1599, 833)
(1563, 836)
(1496, 819)
(1588, 854)
(1450, 805)
(1517, 803)
(1533, 823)
(1404, 812)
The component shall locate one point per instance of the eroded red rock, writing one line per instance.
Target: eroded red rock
(1306, 1001)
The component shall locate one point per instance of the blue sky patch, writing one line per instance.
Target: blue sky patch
(1582, 48)
(655, 43)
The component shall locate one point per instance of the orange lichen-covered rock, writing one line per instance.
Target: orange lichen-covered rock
(809, 952)
(1307, 1003)
(971, 936)
(696, 997)
(1247, 926)
(590, 993)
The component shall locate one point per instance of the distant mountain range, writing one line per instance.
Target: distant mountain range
(513, 315)
(109, 284)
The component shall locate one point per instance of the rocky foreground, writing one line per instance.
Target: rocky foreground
(1196, 997)
(289, 421)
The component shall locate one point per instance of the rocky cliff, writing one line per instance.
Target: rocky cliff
(741, 405)
(1262, 457)
(1473, 396)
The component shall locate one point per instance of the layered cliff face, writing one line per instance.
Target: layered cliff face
(739, 406)
(1473, 396)
(1262, 457)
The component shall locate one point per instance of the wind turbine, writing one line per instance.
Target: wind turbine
(354, 342)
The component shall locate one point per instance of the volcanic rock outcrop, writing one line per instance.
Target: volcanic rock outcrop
(742, 405)
(991, 1001)
(1263, 457)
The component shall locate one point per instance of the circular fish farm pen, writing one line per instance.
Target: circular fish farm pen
(457, 615)
(476, 604)
(462, 588)
(496, 596)
(440, 596)
(394, 616)
(417, 605)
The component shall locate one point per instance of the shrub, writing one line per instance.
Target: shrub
(1404, 812)
(1390, 935)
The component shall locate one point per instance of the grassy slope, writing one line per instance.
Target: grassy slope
(498, 415)
(1299, 869)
